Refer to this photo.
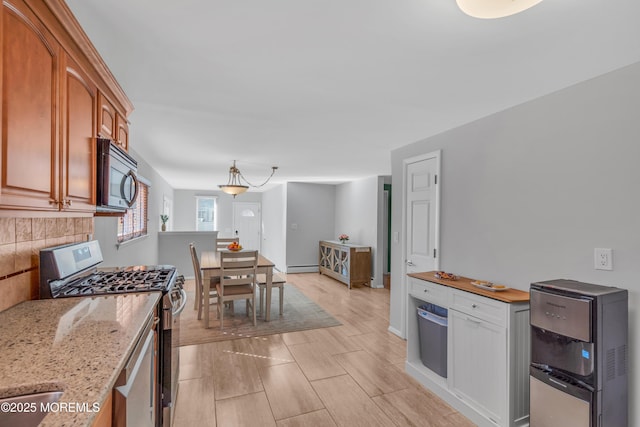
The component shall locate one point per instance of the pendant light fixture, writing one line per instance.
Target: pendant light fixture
(489, 9)
(235, 186)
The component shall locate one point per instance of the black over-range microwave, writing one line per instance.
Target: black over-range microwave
(117, 181)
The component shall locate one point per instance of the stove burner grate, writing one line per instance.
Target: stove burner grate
(121, 281)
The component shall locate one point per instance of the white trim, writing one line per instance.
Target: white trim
(144, 180)
(396, 332)
(437, 154)
(131, 241)
(302, 269)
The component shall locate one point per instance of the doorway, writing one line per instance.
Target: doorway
(247, 224)
(421, 218)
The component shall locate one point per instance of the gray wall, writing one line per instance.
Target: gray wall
(274, 221)
(358, 213)
(528, 193)
(139, 251)
(310, 218)
(173, 248)
(184, 209)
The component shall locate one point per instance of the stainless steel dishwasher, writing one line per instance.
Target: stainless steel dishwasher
(134, 391)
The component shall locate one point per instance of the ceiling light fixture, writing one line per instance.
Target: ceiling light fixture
(489, 9)
(235, 186)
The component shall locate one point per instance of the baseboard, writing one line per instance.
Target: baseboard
(376, 283)
(302, 269)
(395, 332)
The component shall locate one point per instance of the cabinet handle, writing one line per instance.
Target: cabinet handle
(474, 305)
(68, 202)
(54, 202)
(474, 321)
(426, 291)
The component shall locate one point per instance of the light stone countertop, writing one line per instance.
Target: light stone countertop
(75, 345)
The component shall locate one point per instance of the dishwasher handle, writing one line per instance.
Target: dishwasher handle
(135, 366)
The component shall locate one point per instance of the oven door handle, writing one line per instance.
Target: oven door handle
(183, 298)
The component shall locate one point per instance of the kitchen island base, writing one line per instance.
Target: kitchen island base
(488, 352)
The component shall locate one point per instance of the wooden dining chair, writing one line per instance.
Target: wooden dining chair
(223, 242)
(276, 282)
(237, 281)
(200, 299)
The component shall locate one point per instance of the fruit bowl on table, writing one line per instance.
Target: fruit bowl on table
(234, 247)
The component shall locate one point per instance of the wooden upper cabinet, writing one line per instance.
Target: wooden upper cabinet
(106, 118)
(78, 144)
(30, 61)
(122, 132)
(52, 86)
(112, 124)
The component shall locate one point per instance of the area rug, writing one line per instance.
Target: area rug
(299, 313)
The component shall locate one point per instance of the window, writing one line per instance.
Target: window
(205, 213)
(134, 222)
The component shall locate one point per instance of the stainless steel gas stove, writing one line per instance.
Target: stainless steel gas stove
(141, 278)
(74, 271)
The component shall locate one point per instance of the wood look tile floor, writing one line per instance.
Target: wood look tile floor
(348, 375)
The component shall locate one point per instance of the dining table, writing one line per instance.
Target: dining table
(210, 266)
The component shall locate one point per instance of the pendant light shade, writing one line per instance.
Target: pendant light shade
(235, 186)
(490, 9)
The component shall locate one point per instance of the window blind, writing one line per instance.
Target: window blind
(134, 222)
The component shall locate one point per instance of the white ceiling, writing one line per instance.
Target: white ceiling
(326, 88)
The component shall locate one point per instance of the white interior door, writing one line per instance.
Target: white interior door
(421, 198)
(247, 224)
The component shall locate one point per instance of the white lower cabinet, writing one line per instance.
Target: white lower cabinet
(478, 358)
(487, 354)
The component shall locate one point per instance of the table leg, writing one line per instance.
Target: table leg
(205, 303)
(267, 309)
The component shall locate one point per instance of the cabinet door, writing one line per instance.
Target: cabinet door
(122, 132)
(78, 143)
(360, 265)
(479, 364)
(106, 118)
(29, 161)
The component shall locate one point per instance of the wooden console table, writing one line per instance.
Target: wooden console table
(350, 264)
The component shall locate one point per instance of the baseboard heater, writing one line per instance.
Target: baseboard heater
(313, 268)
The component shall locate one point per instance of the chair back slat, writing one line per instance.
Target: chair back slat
(235, 281)
(240, 263)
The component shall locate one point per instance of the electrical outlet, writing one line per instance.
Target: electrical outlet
(603, 258)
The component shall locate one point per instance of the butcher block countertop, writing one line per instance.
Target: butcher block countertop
(464, 284)
(74, 345)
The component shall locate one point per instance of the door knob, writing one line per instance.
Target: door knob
(409, 263)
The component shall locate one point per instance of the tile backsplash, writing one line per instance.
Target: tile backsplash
(20, 242)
